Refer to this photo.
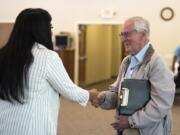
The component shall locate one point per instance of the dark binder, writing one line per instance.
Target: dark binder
(139, 95)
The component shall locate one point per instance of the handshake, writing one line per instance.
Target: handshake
(96, 98)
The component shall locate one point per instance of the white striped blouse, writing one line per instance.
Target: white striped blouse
(38, 115)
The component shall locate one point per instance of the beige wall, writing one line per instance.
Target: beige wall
(66, 13)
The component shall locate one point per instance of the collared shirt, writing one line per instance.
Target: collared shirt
(135, 60)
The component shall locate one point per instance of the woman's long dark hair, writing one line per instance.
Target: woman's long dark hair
(31, 25)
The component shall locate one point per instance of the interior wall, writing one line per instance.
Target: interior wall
(116, 48)
(103, 52)
(66, 13)
(98, 44)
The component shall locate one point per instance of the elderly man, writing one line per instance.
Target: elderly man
(142, 63)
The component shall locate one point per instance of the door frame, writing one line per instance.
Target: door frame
(76, 41)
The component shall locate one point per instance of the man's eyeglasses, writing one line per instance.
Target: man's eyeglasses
(127, 33)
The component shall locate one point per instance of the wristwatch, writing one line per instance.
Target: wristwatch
(132, 124)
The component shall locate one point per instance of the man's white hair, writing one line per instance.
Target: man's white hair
(141, 25)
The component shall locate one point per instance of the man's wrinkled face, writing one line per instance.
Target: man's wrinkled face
(132, 40)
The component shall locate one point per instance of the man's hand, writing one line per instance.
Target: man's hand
(93, 95)
(98, 99)
(120, 123)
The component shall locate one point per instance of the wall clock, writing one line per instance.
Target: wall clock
(167, 13)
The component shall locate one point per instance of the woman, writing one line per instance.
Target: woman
(32, 77)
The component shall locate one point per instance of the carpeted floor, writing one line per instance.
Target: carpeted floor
(77, 120)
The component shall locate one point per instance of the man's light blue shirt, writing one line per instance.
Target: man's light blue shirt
(135, 60)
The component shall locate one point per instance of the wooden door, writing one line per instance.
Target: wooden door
(67, 56)
(5, 30)
(82, 55)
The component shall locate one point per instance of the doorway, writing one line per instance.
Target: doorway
(99, 52)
